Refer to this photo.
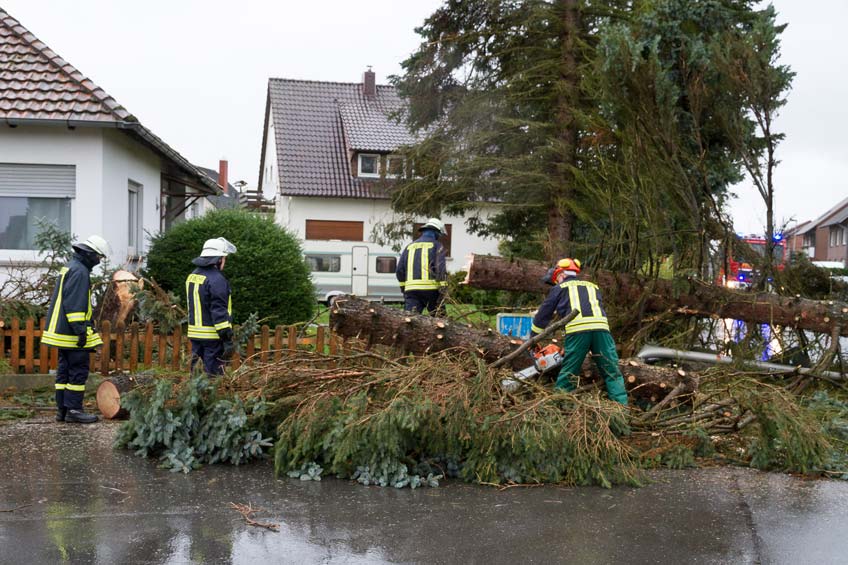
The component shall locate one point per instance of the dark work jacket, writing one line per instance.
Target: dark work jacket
(570, 294)
(210, 305)
(69, 314)
(422, 265)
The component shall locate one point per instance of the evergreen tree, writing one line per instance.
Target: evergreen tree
(598, 128)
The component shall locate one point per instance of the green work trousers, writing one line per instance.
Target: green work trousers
(602, 346)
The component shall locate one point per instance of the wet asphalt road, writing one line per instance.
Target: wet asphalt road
(76, 500)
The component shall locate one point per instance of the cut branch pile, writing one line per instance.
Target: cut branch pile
(438, 411)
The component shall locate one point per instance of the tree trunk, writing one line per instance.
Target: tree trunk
(560, 217)
(414, 333)
(111, 390)
(420, 335)
(696, 298)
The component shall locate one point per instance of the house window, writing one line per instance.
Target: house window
(394, 166)
(386, 264)
(445, 239)
(20, 215)
(369, 165)
(324, 263)
(135, 221)
(330, 229)
(30, 194)
(837, 236)
(809, 240)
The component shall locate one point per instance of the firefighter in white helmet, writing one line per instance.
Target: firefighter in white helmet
(210, 307)
(71, 329)
(422, 271)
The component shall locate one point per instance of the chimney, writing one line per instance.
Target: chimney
(369, 84)
(222, 175)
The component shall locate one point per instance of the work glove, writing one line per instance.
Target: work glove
(226, 336)
(81, 339)
(229, 349)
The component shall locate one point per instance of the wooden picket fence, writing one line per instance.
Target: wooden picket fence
(141, 346)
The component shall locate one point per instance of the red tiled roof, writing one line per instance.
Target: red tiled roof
(316, 123)
(36, 85)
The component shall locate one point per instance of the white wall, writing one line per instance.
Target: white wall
(81, 147)
(125, 160)
(292, 212)
(105, 160)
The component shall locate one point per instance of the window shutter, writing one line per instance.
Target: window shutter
(333, 229)
(44, 181)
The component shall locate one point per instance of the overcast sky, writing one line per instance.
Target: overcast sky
(196, 72)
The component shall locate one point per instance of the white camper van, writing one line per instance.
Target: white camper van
(347, 267)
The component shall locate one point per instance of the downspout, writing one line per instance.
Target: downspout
(654, 352)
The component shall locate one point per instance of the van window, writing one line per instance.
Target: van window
(324, 263)
(386, 264)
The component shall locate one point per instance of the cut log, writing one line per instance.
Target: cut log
(110, 391)
(687, 298)
(419, 335)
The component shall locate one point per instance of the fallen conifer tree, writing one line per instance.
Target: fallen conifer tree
(688, 298)
(423, 335)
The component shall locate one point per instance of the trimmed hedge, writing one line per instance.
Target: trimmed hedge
(268, 274)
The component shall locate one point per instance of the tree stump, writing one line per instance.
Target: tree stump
(111, 390)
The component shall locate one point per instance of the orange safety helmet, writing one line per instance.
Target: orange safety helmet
(567, 264)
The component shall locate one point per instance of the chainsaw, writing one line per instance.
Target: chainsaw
(544, 360)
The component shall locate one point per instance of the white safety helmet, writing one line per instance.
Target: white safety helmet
(436, 224)
(218, 247)
(96, 244)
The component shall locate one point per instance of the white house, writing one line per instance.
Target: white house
(69, 153)
(327, 161)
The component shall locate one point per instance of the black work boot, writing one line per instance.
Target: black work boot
(80, 417)
(60, 414)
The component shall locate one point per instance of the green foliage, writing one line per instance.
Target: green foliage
(158, 306)
(267, 274)
(620, 132)
(789, 436)
(193, 426)
(394, 430)
(833, 415)
(801, 277)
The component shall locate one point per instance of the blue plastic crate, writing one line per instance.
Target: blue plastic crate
(515, 325)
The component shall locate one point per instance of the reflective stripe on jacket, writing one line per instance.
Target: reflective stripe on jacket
(69, 314)
(583, 296)
(210, 305)
(422, 265)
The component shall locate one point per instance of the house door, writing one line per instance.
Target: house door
(359, 271)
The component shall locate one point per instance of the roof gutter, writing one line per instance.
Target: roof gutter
(654, 352)
(156, 142)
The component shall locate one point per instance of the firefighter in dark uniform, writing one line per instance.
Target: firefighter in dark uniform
(210, 307)
(589, 331)
(422, 271)
(70, 329)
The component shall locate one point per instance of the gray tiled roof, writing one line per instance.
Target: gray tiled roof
(36, 85)
(370, 126)
(317, 123)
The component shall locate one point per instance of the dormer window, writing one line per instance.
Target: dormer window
(369, 165)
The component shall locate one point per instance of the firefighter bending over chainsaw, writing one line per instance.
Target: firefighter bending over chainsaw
(589, 331)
